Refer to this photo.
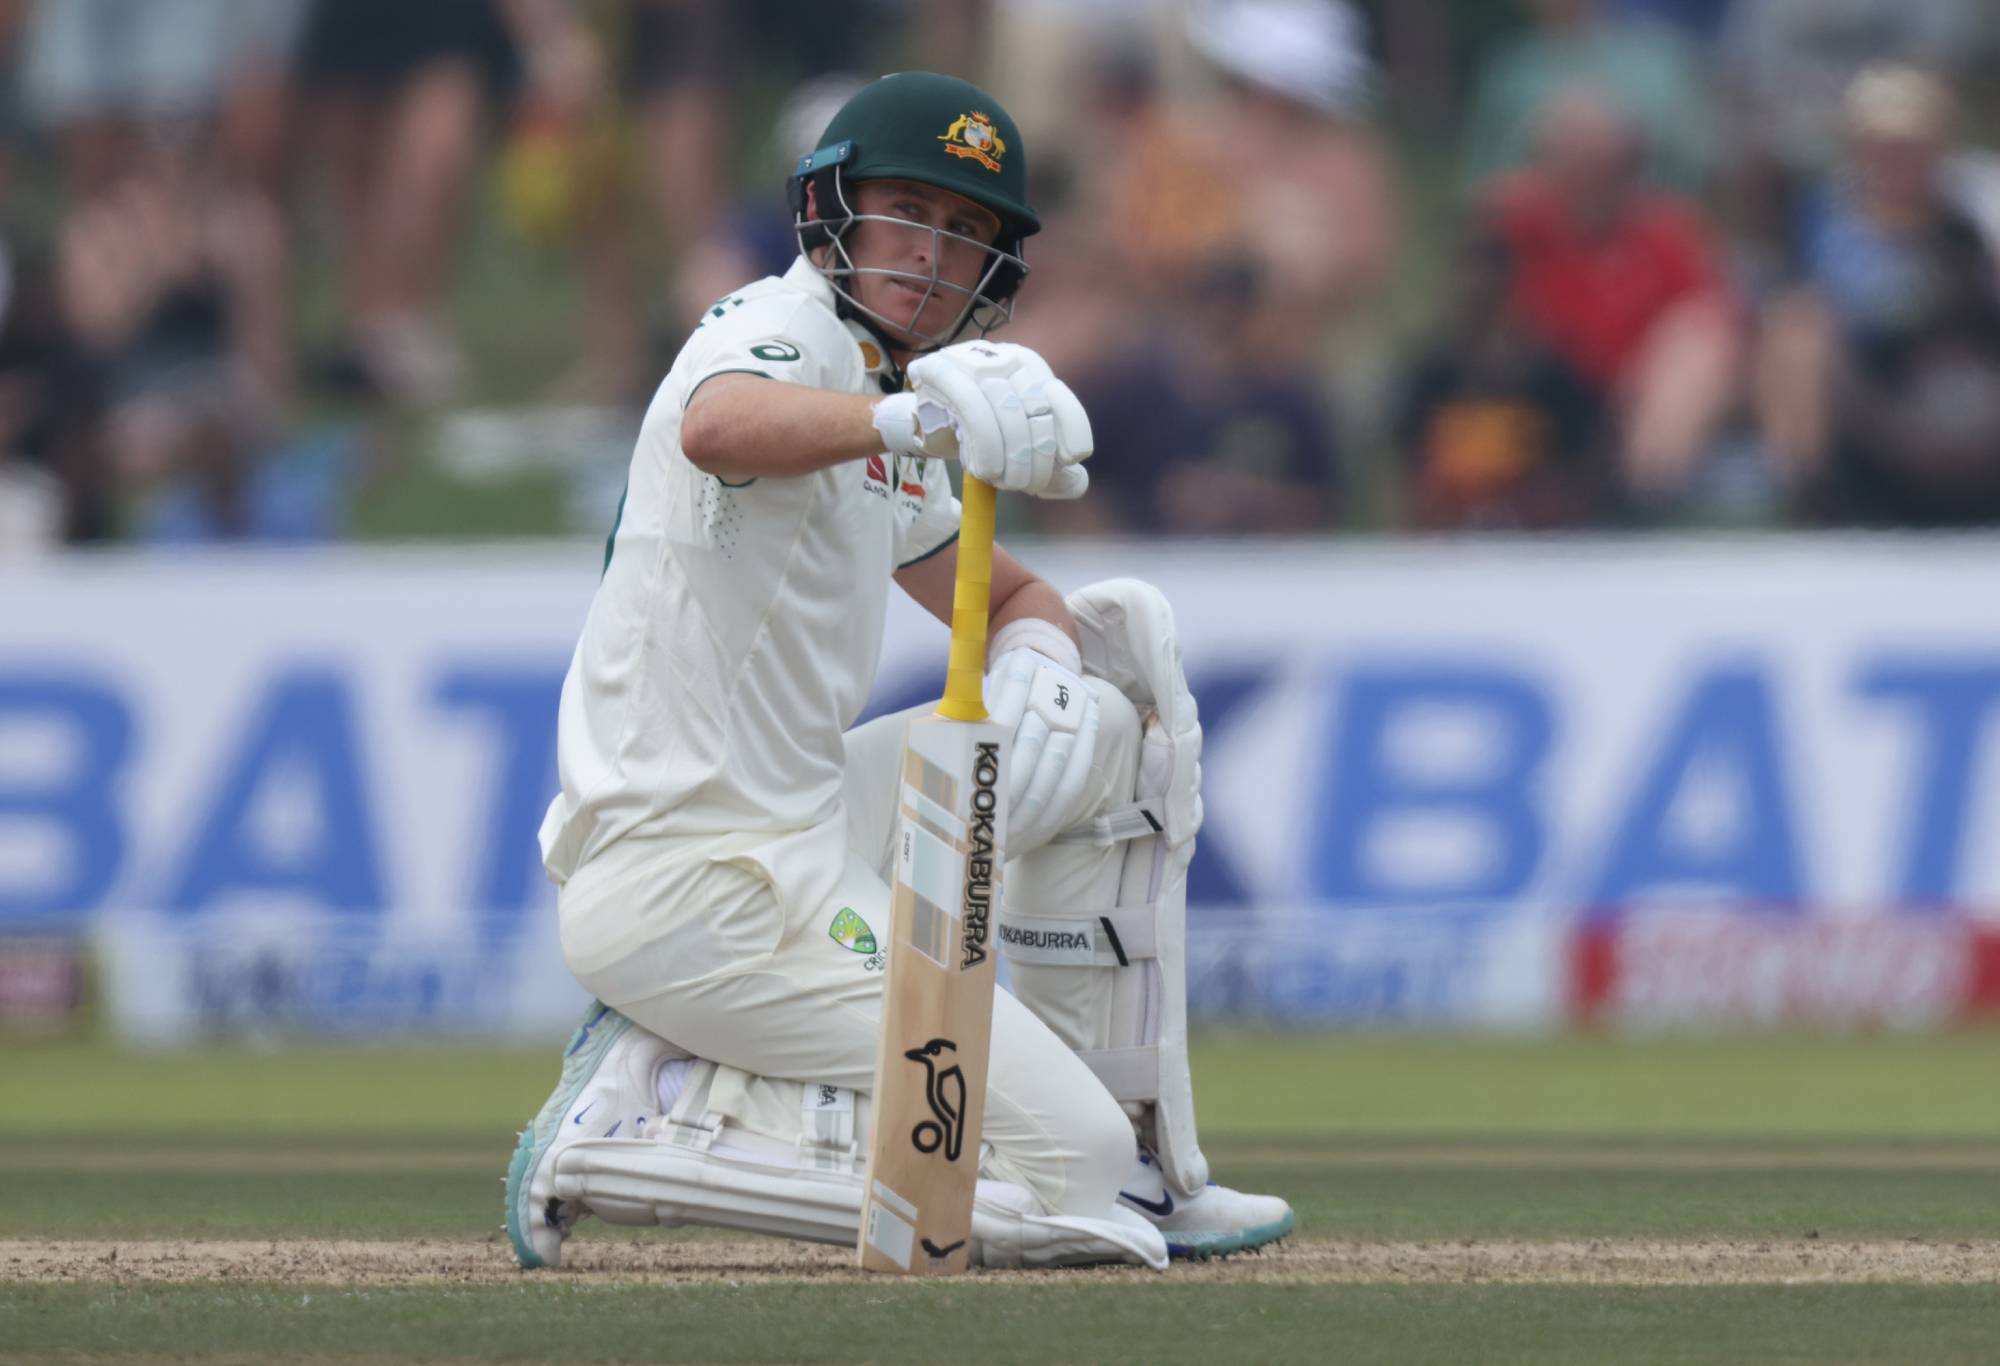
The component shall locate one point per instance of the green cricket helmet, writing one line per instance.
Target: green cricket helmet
(938, 131)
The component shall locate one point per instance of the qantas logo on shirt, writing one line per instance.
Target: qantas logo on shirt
(879, 476)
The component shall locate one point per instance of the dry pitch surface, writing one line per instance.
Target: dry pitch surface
(1508, 1201)
(1597, 1261)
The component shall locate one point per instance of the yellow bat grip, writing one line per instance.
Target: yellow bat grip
(971, 601)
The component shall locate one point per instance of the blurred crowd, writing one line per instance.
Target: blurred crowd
(1311, 264)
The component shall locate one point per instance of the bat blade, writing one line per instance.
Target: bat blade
(937, 1007)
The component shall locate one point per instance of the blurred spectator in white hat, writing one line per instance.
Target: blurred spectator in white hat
(1308, 179)
(1208, 250)
(1043, 57)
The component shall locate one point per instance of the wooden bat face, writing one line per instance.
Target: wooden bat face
(938, 999)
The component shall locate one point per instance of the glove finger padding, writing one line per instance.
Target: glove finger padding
(1019, 427)
(1072, 423)
(1042, 450)
(1053, 715)
(1061, 809)
(1007, 685)
(991, 359)
(981, 442)
(1031, 740)
(1069, 481)
(1049, 803)
(1046, 774)
(1062, 705)
(1017, 463)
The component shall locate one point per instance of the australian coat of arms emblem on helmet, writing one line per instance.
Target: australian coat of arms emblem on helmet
(974, 137)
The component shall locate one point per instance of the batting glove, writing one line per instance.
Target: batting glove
(1054, 716)
(1015, 424)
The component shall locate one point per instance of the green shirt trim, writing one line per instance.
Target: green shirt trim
(738, 370)
(947, 542)
(733, 370)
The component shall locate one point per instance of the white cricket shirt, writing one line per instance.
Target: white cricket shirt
(737, 629)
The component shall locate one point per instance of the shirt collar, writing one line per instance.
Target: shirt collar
(804, 275)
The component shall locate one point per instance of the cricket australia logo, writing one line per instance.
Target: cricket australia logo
(945, 1090)
(973, 137)
(851, 932)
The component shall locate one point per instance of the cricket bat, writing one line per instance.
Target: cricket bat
(937, 999)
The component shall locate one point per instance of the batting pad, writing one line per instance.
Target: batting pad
(665, 1183)
(1094, 926)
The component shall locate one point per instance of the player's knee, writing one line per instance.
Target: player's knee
(1116, 762)
(1105, 1149)
(1118, 726)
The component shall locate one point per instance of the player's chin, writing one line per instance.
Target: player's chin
(901, 306)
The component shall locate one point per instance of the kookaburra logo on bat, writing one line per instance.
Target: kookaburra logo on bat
(945, 1090)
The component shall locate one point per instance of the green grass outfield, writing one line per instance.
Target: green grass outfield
(1775, 1147)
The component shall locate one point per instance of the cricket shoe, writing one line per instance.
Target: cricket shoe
(608, 1088)
(1213, 1222)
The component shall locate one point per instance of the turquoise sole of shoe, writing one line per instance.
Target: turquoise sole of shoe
(1201, 1246)
(600, 1028)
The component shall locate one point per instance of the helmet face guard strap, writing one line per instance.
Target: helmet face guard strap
(988, 303)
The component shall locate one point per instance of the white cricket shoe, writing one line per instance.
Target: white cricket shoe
(1213, 1222)
(607, 1089)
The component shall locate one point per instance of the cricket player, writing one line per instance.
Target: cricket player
(722, 838)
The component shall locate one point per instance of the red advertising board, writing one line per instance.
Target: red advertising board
(1730, 969)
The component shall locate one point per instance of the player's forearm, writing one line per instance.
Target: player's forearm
(1034, 598)
(748, 427)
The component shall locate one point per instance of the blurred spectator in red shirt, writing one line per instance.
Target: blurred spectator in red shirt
(1879, 381)
(1622, 283)
(1495, 429)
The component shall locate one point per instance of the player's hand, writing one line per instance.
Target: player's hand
(1015, 425)
(1054, 716)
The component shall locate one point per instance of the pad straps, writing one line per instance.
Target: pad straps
(1132, 821)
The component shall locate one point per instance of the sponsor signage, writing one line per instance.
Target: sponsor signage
(1431, 754)
(1728, 970)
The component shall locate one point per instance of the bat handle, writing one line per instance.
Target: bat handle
(971, 602)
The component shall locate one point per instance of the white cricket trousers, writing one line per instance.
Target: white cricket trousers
(722, 945)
